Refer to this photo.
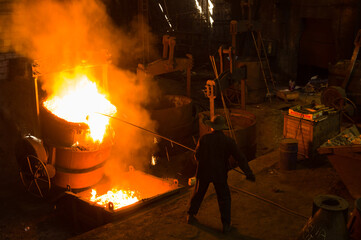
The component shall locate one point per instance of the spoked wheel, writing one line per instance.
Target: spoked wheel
(233, 95)
(346, 107)
(335, 97)
(35, 176)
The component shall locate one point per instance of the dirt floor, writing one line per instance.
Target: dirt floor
(26, 217)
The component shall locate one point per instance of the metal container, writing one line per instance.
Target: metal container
(328, 221)
(77, 168)
(58, 131)
(244, 125)
(173, 114)
(288, 154)
(348, 167)
(85, 215)
(346, 160)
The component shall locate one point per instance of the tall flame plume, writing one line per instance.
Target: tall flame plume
(79, 100)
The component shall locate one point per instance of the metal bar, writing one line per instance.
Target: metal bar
(149, 131)
(260, 61)
(37, 105)
(226, 113)
(243, 94)
(267, 62)
(189, 81)
(353, 59)
(233, 30)
(220, 51)
(165, 46)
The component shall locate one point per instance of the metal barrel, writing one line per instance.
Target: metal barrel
(78, 168)
(173, 114)
(244, 125)
(288, 154)
(60, 132)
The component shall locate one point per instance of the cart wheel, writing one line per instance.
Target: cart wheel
(233, 95)
(34, 176)
(347, 109)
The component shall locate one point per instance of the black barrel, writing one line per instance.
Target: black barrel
(288, 154)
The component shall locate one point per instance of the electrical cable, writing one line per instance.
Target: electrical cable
(269, 201)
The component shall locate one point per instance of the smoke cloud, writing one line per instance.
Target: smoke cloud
(64, 34)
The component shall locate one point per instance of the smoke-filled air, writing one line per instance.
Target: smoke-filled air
(62, 35)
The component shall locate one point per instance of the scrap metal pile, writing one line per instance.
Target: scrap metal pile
(349, 136)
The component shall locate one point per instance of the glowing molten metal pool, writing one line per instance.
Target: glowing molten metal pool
(135, 188)
(119, 198)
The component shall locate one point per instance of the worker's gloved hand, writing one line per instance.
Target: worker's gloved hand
(251, 177)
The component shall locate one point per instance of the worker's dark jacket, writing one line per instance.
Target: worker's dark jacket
(213, 152)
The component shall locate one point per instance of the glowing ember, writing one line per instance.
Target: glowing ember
(119, 198)
(79, 100)
(154, 160)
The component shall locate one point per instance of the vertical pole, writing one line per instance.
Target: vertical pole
(37, 105)
(210, 94)
(172, 43)
(243, 94)
(165, 46)
(220, 51)
(250, 2)
(231, 62)
(189, 78)
(233, 30)
(211, 109)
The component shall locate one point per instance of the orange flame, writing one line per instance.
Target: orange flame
(119, 198)
(79, 100)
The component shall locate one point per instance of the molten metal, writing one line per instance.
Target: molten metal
(119, 198)
(78, 100)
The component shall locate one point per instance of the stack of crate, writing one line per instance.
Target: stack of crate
(311, 134)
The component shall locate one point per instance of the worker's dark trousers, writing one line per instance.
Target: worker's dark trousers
(223, 196)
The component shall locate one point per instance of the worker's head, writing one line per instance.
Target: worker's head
(217, 123)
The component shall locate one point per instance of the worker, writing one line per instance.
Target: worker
(212, 154)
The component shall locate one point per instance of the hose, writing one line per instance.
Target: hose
(269, 201)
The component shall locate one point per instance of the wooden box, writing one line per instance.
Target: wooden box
(310, 134)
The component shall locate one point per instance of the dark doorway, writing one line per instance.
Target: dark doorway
(317, 49)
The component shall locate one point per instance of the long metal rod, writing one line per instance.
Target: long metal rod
(267, 61)
(356, 50)
(226, 112)
(149, 131)
(262, 68)
(269, 201)
(37, 106)
(156, 134)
